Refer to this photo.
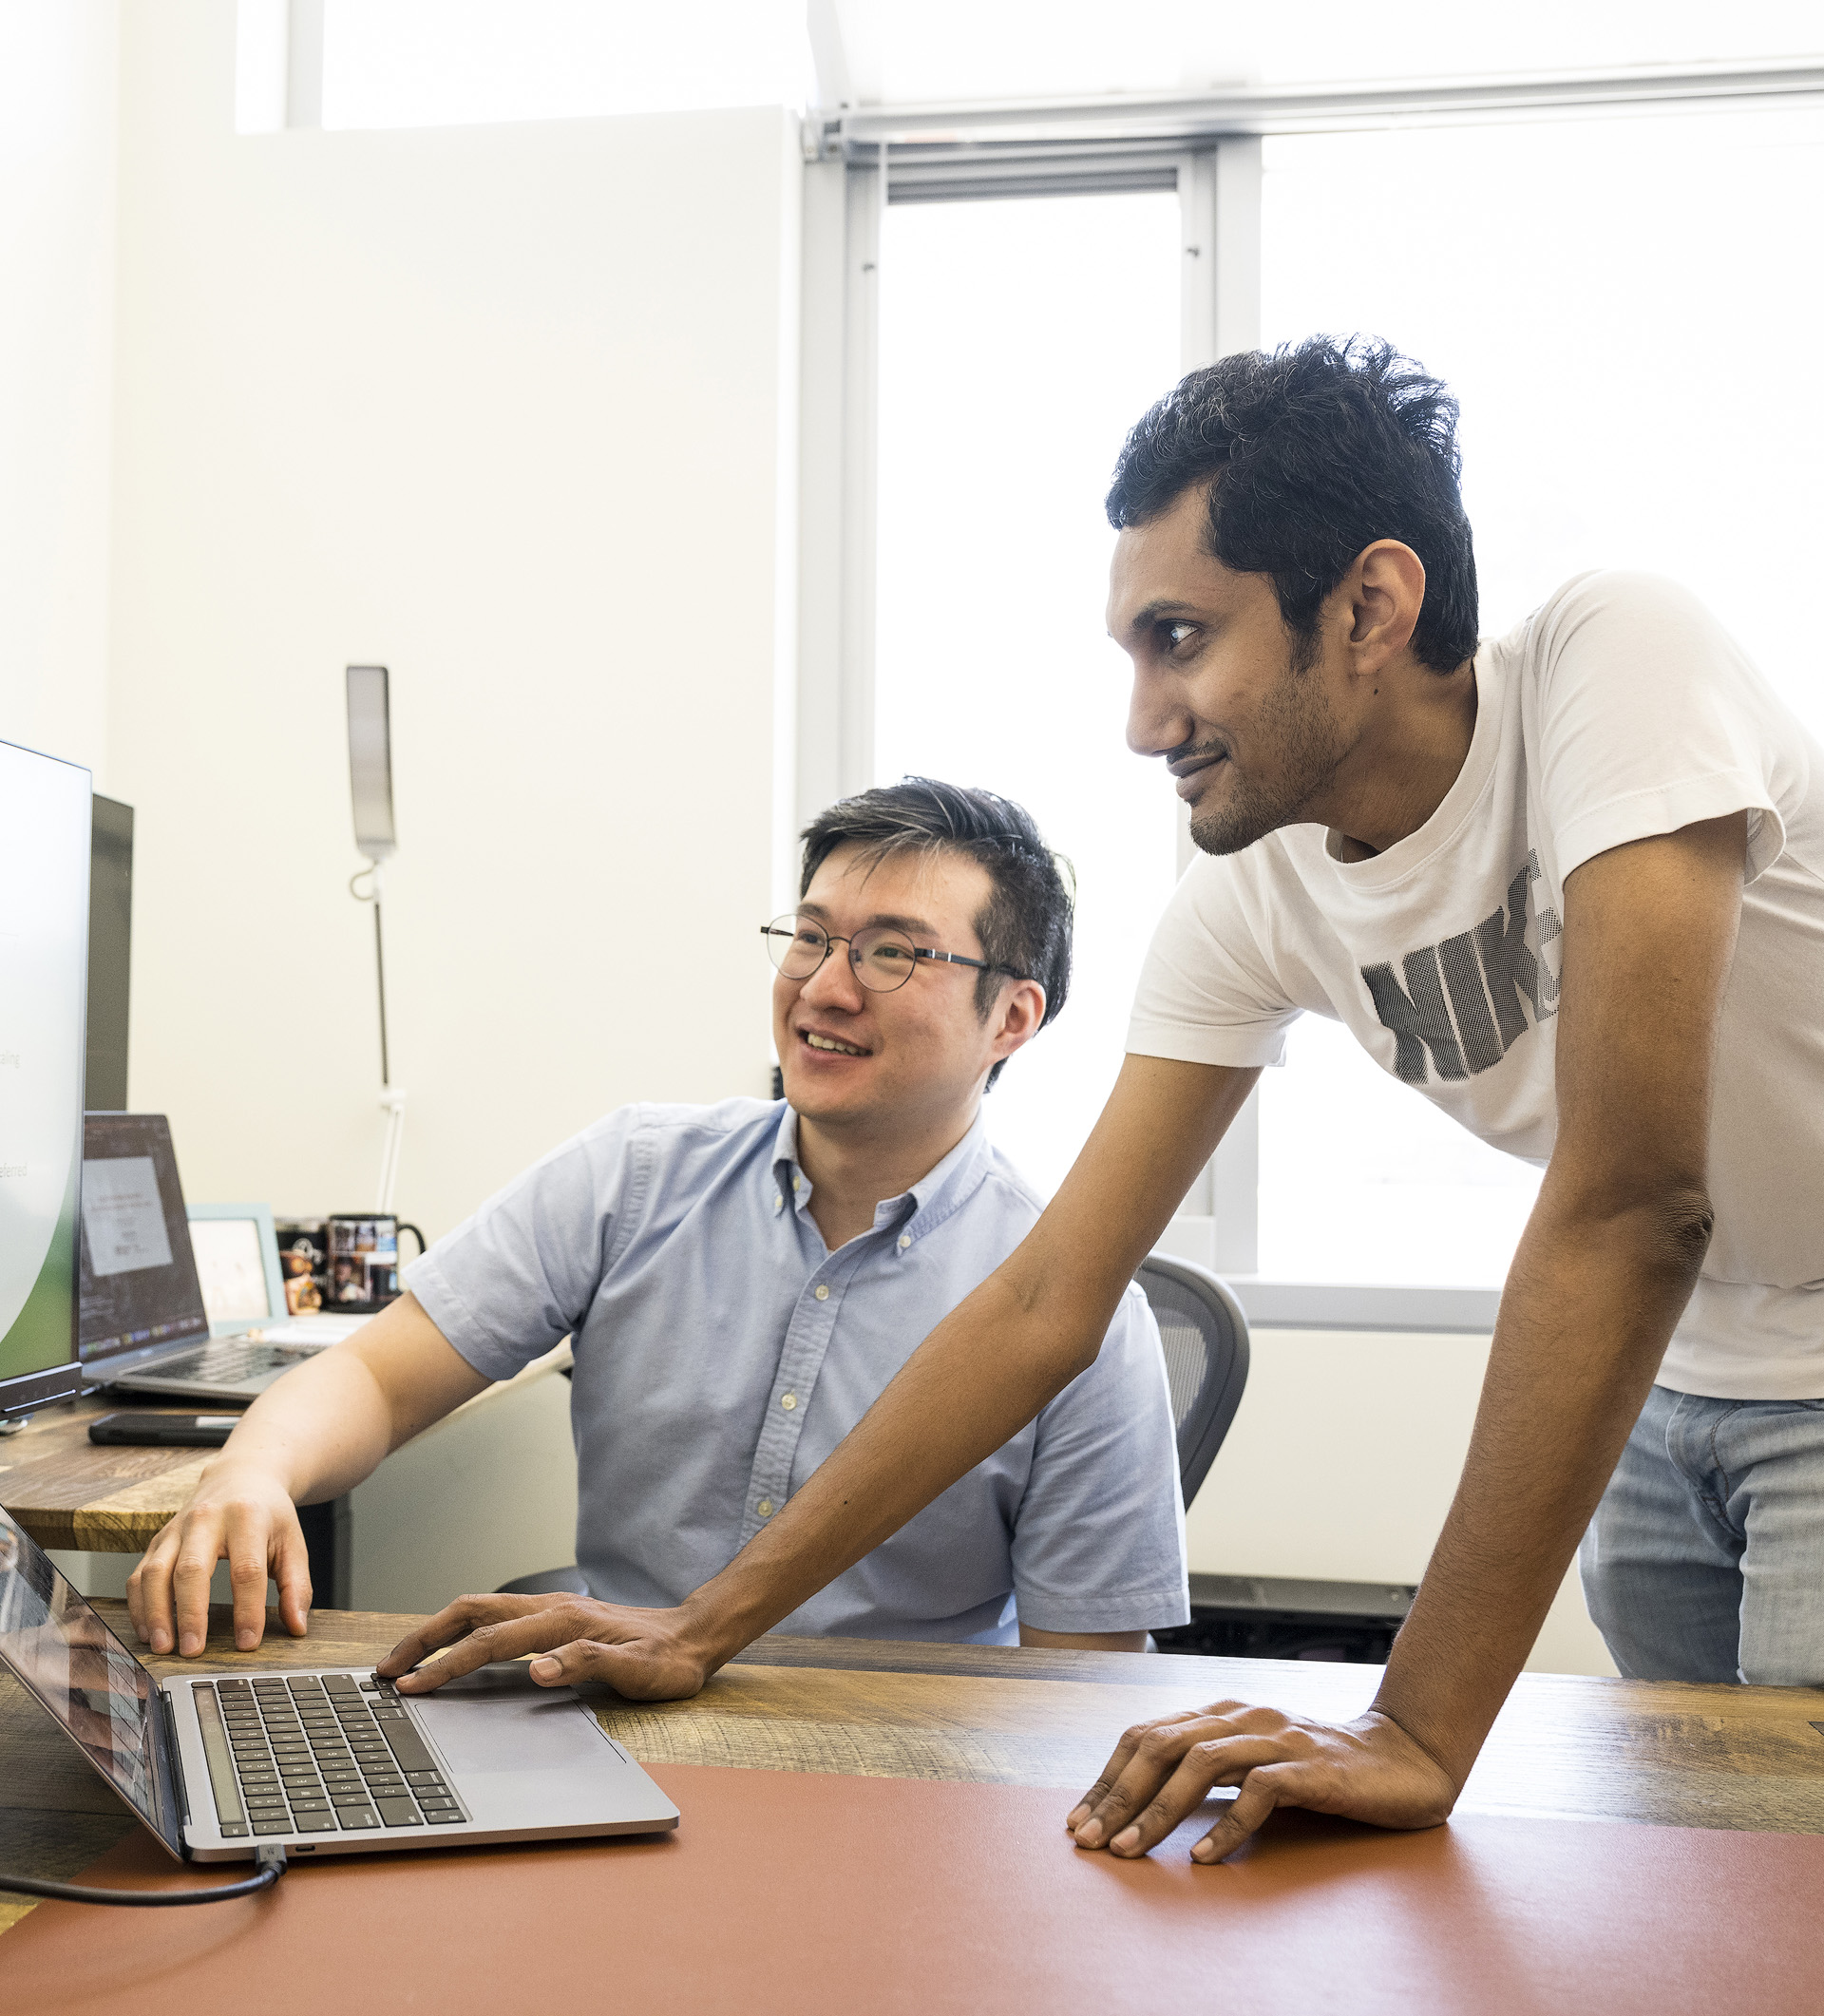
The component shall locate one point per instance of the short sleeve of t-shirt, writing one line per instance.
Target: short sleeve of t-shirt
(518, 1278)
(1649, 718)
(1206, 995)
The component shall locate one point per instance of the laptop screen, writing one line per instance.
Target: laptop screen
(78, 1669)
(138, 1273)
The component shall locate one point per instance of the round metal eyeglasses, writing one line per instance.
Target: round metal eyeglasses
(882, 957)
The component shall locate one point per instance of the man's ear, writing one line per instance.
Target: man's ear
(1386, 591)
(1018, 1014)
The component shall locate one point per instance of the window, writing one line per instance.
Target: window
(946, 52)
(1612, 302)
(1018, 341)
(1610, 299)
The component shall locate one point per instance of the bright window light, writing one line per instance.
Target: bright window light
(429, 63)
(921, 51)
(1626, 314)
(1018, 343)
(1361, 1180)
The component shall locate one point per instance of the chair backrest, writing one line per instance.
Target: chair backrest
(1205, 1333)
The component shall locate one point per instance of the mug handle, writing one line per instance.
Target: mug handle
(405, 1226)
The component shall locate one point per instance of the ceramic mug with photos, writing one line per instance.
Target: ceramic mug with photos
(364, 1258)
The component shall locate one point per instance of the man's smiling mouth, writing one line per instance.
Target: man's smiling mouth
(1187, 771)
(827, 1042)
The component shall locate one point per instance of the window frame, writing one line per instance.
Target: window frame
(1207, 147)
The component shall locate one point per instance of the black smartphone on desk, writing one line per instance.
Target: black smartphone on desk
(193, 1431)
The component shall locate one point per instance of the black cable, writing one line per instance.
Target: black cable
(272, 1866)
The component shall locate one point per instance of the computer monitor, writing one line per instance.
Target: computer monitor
(111, 953)
(141, 1294)
(44, 979)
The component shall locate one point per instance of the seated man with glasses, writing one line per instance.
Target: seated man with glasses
(741, 1280)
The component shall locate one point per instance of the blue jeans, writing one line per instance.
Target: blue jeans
(1706, 1559)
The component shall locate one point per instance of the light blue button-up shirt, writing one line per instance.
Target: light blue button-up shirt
(722, 1352)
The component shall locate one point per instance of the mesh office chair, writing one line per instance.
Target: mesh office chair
(1205, 1333)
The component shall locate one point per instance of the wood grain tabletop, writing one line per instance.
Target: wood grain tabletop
(66, 1491)
(103, 1499)
(1746, 1758)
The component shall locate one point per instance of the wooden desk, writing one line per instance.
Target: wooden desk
(67, 1491)
(1748, 1758)
(99, 1498)
(111, 1498)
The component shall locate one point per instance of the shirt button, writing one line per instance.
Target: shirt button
(797, 1183)
(765, 1508)
(789, 1401)
(822, 1291)
(905, 1239)
(777, 1202)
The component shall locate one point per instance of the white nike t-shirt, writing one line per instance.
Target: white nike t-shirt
(1619, 710)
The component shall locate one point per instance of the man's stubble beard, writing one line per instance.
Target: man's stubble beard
(1297, 719)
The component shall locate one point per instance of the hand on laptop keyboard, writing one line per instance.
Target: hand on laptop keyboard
(648, 1655)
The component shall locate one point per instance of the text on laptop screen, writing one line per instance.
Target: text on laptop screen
(76, 1666)
(139, 1271)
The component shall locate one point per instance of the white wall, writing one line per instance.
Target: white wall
(1341, 1465)
(506, 408)
(479, 1498)
(58, 68)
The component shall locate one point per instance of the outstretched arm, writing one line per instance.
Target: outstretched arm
(1609, 1260)
(981, 1375)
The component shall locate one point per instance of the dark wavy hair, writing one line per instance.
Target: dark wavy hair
(1319, 448)
(1024, 926)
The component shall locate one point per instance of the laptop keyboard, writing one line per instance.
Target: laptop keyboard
(317, 1754)
(225, 1362)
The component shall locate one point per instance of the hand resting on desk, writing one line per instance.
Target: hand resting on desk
(240, 1510)
(647, 1655)
(1369, 1769)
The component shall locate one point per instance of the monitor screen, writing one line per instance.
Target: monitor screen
(138, 1273)
(43, 958)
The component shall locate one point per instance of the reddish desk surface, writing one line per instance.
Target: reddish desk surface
(866, 1822)
(803, 1892)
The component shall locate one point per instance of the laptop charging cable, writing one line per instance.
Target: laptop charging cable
(271, 1863)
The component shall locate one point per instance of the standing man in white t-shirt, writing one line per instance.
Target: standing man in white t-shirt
(1570, 887)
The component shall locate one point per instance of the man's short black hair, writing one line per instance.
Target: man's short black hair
(1318, 449)
(1025, 925)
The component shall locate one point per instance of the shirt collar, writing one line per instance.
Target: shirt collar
(935, 1194)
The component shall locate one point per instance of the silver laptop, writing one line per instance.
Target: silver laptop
(146, 1316)
(321, 1762)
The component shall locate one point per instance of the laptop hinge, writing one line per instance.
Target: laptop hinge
(174, 1764)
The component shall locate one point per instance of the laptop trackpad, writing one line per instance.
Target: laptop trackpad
(528, 1759)
(514, 1731)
